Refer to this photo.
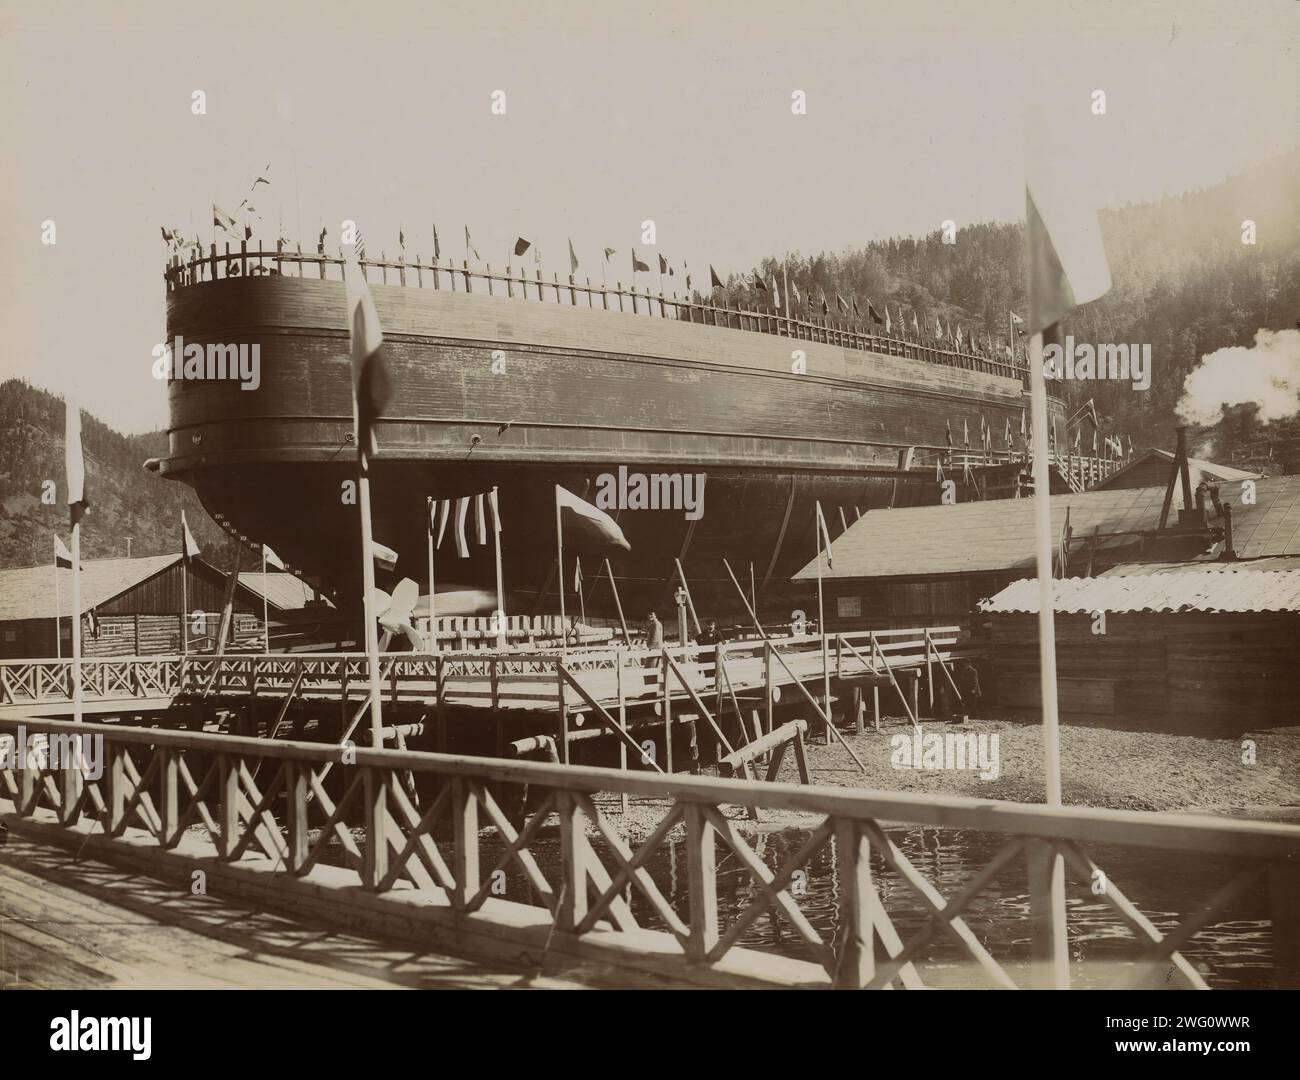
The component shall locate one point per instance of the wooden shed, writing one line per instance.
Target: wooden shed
(129, 607)
(1209, 646)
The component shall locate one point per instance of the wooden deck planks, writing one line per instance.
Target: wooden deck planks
(76, 924)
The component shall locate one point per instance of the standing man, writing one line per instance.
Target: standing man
(654, 632)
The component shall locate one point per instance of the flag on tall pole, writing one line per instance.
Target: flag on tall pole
(371, 388)
(1066, 266)
(573, 258)
(370, 392)
(189, 549)
(495, 508)
(75, 469)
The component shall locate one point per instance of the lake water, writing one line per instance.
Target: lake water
(1233, 952)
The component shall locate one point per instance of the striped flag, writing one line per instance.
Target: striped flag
(271, 558)
(947, 430)
(824, 537)
(462, 510)
(715, 282)
(965, 434)
(637, 264)
(480, 522)
(74, 462)
(371, 387)
(444, 514)
(577, 575)
(591, 520)
(1007, 433)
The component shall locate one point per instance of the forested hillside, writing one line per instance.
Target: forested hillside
(126, 500)
(1183, 282)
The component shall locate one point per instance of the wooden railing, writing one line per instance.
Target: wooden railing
(425, 835)
(847, 333)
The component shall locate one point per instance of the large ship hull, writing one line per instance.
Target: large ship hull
(524, 395)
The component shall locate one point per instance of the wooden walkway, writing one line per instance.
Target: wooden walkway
(71, 923)
(578, 680)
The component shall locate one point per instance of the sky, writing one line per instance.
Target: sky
(677, 112)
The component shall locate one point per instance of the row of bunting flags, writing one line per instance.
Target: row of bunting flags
(1113, 444)
(767, 285)
(456, 511)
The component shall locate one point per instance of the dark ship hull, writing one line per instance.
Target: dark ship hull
(583, 391)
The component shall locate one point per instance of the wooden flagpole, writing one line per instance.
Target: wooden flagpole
(185, 587)
(820, 527)
(76, 621)
(433, 617)
(495, 506)
(266, 609)
(1043, 553)
(627, 638)
(58, 612)
(368, 584)
(559, 563)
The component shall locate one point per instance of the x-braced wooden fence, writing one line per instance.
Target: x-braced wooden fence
(195, 798)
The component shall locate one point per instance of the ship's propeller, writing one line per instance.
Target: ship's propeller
(396, 617)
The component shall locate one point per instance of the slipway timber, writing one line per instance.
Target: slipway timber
(412, 846)
(728, 696)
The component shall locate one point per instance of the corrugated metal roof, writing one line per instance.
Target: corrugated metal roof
(999, 534)
(1220, 589)
(28, 592)
(1279, 562)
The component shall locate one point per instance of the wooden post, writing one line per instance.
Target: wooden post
(702, 884)
(1284, 887)
(1049, 955)
(563, 711)
(464, 810)
(375, 863)
(668, 717)
(855, 962)
(622, 721)
(768, 702)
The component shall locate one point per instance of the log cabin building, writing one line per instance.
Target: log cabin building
(129, 607)
(932, 565)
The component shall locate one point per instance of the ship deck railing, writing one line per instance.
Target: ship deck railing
(847, 333)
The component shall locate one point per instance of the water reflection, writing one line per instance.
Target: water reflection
(1233, 952)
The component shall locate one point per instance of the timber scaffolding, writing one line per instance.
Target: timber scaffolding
(260, 820)
(848, 333)
(729, 693)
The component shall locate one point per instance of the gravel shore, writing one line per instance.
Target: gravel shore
(1100, 766)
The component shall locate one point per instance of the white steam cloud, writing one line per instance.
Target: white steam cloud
(1267, 373)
